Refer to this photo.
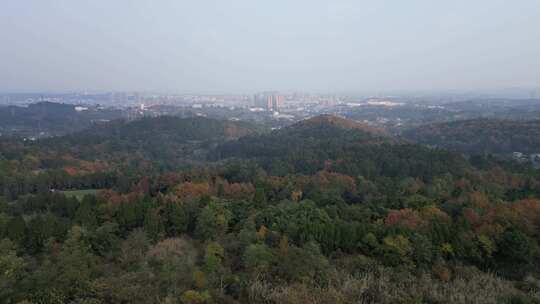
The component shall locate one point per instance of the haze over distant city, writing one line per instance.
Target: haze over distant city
(241, 45)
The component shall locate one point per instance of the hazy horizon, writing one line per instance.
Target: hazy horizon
(244, 46)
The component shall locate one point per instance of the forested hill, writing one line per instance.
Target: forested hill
(480, 136)
(163, 143)
(51, 118)
(167, 128)
(327, 122)
(329, 142)
(323, 211)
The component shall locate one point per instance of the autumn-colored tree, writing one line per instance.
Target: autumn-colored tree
(195, 297)
(192, 190)
(407, 218)
(173, 261)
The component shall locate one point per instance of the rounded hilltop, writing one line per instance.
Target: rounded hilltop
(329, 120)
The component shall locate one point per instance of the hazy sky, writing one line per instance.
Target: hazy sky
(250, 45)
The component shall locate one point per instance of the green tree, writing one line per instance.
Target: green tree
(305, 264)
(177, 219)
(195, 297)
(514, 246)
(11, 270)
(133, 249)
(86, 214)
(69, 273)
(213, 264)
(422, 250)
(213, 221)
(153, 224)
(260, 197)
(397, 250)
(258, 258)
(173, 262)
(104, 240)
(17, 230)
(39, 230)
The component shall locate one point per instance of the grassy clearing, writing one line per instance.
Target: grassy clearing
(79, 194)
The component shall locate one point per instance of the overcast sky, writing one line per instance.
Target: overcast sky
(251, 45)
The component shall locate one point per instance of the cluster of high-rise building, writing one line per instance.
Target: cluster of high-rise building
(269, 101)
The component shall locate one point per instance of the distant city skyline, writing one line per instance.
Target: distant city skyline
(246, 46)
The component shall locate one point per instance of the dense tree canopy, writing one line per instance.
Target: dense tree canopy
(320, 212)
(481, 136)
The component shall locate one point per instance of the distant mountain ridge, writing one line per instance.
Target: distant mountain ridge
(175, 128)
(52, 118)
(327, 120)
(479, 136)
(172, 141)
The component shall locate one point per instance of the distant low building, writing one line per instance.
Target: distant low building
(256, 109)
(523, 158)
